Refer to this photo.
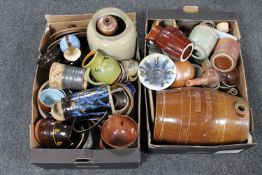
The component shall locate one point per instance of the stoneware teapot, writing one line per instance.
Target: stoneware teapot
(124, 37)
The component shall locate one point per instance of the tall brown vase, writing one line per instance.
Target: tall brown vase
(200, 116)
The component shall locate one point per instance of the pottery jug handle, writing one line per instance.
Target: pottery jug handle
(85, 61)
(88, 71)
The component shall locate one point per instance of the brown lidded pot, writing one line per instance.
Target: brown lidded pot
(171, 41)
(184, 71)
(225, 55)
(119, 131)
(200, 116)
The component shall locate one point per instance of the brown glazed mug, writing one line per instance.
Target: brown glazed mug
(200, 116)
(225, 55)
(53, 134)
(184, 71)
(119, 131)
(171, 41)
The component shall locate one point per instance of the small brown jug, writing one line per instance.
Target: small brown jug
(185, 71)
(209, 78)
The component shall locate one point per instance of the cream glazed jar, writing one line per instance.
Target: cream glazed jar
(122, 45)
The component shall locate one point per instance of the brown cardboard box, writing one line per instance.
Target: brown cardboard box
(78, 158)
(192, 15)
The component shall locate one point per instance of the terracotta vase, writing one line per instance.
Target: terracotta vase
(209, 78)
(200, 116)
(225, 55)
(107, 25)
(185, 71)
(171, 41)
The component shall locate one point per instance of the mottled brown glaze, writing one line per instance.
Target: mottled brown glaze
(171, 41)
(209, 78)
(200, 116)
(107, 25)
(119, 131)
(51, 133)
(184, 71)
(225, 55)
(230, 78)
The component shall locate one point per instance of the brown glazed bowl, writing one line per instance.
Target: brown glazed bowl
(119, 131)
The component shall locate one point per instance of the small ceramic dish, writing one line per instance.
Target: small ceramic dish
(48, 97)
(157, 71)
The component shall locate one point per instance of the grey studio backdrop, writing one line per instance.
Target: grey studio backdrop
(21, 27)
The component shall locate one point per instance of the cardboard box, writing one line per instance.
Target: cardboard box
(78, 158)
(193, 15)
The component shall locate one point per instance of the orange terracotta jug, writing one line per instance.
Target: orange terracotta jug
(200, 116)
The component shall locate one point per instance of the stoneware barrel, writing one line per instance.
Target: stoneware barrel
(200, 116)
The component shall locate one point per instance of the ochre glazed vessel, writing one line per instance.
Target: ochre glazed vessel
(185, 71)
(200, 116)
(171, 41)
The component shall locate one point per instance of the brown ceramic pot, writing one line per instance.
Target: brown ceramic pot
(171, 41)
(119, 131)
(52, 133)
(209, 78)
(230, 79)
(107, 25)
(185, 71)
(200, 116)
(225, 55)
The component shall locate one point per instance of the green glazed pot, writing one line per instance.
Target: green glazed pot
(204, 39)
(104, 69)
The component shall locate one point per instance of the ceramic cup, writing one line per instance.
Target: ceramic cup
(104, 69)
(130, 68)
(171, 41)
(225, 55)
(54, 134)
(204, 39)
(119, 131)
(70, 46)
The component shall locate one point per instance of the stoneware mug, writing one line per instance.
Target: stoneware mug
(104, 69)
(70, 46)
(204, 39)
(130, 67)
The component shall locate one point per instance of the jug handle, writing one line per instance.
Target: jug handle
(90, 80)
(84, 65)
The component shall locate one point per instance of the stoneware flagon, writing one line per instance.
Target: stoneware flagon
(107, 25)
(103, 68)
(204, 39)
(171, 41)
(209, 78)
(124, 37)
(184, 71)
(200, 116)
(225, 55)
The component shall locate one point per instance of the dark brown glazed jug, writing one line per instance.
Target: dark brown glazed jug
(171, 41)
(200, 116)
(209, 78)
(184, 71)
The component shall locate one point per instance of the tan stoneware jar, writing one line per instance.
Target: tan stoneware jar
(185, 71)
(200, 116)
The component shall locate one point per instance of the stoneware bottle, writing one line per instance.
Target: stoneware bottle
(171, 41)
(107, 25)
(204, 39)
(124, 39)
(209, 78)
(200, 116)
(225, 55)
(185, 71)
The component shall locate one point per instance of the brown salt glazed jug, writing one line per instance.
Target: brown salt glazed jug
(225, 55)
(171, 41)
(209, 78)
(200, 116)
(107, 25)
(185, 71)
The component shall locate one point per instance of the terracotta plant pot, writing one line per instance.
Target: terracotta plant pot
(200, 116)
